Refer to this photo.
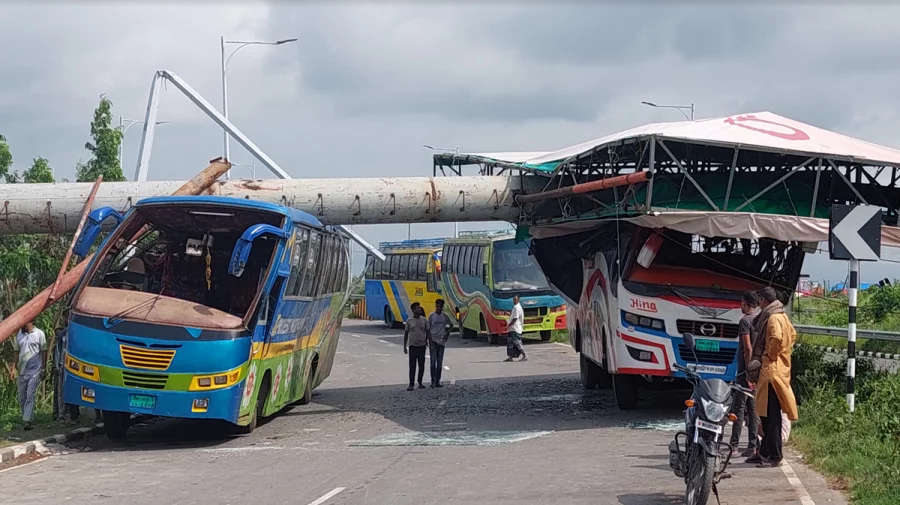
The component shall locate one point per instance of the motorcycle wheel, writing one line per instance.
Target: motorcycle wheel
(701, 468)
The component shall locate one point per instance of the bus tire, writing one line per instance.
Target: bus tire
(545, 335)
(625, 388)
(590, 373)
(493, 338)
(308, 390)
(116, 424)
(468, 333)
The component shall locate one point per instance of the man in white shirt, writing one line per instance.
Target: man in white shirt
(30, 356)
(514, 347)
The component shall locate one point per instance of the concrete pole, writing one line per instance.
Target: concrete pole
(55, 208)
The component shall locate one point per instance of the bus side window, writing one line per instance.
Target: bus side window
(423, 266)
(403, 270)
(464, 260)
(301, 241)
(369, 272)
(312, 263)
(324, 266)
(475, 261)
(345, 266)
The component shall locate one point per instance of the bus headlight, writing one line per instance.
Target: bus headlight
(561, 308)
(216, 381)
(644, 321)
(81, 369)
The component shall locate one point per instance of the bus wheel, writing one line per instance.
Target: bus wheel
(625, 388)
(590, 372)
(307, 392)
(116, 424)
(468, 333)
(545, 335)
(493, 338)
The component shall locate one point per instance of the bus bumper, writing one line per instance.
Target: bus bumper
(219, 404)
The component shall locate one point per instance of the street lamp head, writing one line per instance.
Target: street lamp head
(426, 146)
(651, 104)
(284, 41)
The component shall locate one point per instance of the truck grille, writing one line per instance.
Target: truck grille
(144, 380)
(716, 330)
(720, 357)
(146, 359)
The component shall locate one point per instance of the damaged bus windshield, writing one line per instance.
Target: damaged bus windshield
(169, 263)
(671, 262)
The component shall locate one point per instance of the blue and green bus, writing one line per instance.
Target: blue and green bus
(206, 308)
(481, 273)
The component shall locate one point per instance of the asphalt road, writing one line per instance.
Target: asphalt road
(499, 433)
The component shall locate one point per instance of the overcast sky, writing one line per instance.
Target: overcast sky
(367, 84)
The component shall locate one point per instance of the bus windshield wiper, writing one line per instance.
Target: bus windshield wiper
(700, 309)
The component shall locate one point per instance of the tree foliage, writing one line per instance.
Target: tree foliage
(104, 148)
(6, 159)
(39, 171)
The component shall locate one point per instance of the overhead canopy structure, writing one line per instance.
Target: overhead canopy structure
(760, 163)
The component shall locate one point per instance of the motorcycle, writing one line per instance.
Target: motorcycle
(698, 454)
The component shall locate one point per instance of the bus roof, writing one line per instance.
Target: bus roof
(413, 246)
(482, 236)
(296, 215)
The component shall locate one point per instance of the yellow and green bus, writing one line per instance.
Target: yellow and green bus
(482, 271)
(409, 273)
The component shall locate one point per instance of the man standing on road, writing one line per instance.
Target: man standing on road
(514, 347)
(416, 336)
(438, 333)
(30, 355)
(745, 406)
(773, 393)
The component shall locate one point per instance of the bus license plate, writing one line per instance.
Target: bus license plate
(718, 370)
(142, 402)
(707, 345)
(703, 425)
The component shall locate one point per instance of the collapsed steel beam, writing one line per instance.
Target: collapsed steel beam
(55, 208)
(587, 187)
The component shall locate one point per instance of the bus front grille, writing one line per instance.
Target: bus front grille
(702, 329)
(144, 380)
(535, 312)
(146, 359)
(720, 357)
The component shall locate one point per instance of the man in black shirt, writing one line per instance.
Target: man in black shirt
(745, 406)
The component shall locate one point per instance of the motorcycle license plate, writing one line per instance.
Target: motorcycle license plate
(718, 370)
(703, 425)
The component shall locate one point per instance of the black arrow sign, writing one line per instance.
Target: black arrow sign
(855, 233)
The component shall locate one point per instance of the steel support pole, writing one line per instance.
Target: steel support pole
(852, 293)
(226, 149)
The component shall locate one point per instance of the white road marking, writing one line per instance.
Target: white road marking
(355, 335)
(446, 367)
(453, 382)
(443, 402)
(788, 470)
(327, 496)
(383, 341)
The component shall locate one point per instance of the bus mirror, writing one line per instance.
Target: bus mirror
(92, 229)
(241, 252)
(689, 340)
(484, 274)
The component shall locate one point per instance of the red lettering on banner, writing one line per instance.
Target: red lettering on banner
(643, 305)
(796, 135)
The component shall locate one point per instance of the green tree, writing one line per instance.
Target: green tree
(105, 148)
(40, 171)
(5, 159)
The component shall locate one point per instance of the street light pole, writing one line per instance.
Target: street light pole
(680, 108)
(240, 44)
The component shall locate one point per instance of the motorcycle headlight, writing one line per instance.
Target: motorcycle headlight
(715, 412)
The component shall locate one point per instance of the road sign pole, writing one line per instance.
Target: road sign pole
(851, 335)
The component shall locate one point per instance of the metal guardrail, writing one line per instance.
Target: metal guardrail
(842, 332)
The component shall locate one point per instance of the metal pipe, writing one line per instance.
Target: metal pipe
(25, 209)
(587, 187)
(33, 307)
(84, 214)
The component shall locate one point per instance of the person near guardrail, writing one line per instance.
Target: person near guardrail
(773, 390)
(745, 406)
(30, 356)
(416, 336)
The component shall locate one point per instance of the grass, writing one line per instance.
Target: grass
(561, 336)
(11, 432)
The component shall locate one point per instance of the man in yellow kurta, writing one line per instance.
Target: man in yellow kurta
(773, 391)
